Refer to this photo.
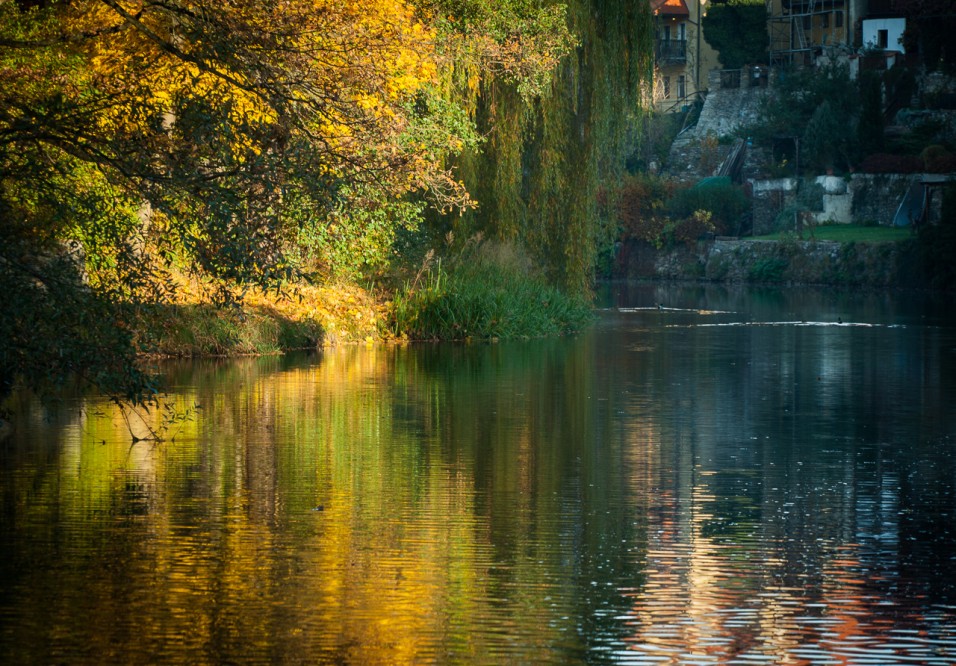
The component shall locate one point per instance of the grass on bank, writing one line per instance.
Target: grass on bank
(484, 292)
(302, 317)
(484, 295)
(847, 233)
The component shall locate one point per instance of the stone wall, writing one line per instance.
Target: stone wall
(860, 199)
(697, 152)
(875, 197)
(774, 262)
(727, 109)
(770, 197)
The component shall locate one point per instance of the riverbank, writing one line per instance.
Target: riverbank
(487, 291)
(300, 317)
(309, 317)
(758, 261)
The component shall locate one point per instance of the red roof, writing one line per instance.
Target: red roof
(670, 7)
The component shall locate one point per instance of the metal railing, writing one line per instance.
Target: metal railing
(671, 50)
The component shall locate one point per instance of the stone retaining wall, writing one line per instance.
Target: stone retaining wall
(860, 199)
(775, 262)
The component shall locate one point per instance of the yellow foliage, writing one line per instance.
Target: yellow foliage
(325, 62)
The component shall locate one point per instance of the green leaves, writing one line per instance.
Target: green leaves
(737, 30)
(55, 329)
(825, 103)
(485, 295)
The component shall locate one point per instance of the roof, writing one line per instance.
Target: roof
(670, 8)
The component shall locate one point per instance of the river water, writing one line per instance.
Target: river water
(705, 476)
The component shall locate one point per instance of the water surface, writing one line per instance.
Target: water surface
(705, 476)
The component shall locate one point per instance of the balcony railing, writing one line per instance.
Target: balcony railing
(812, 6)
(671, 51)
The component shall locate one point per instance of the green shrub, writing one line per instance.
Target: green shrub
(797, 100)
(768, 269)
(654, 210)
(484, 297)
(725, 202)
(937, 159)
(658, 133)
(825, 141)
(870, 128)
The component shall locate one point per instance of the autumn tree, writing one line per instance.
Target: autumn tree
(199, 135)
(242, 142)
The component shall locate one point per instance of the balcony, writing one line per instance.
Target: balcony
(671, 51)
(810, 6)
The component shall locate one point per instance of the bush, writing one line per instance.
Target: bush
(797, 95)
(768, 269)
(658, 133)
(641, 206)
(689, 229)
(656, 211)
(725, 202)
(936, 159)
(922, 131)
(485, 297)
(825, 141)
(870, 128)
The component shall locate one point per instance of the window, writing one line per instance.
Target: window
(666, 33)
(808, 22)
(882, 38)
(838, 20)
(682, 31)
(824, 20)
(681, 87)
(667, 87)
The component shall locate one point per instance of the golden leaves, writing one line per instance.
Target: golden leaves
(339, 69)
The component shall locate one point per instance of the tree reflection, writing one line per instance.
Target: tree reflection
(654, 488)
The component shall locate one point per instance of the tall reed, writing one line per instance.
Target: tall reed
(481, 296)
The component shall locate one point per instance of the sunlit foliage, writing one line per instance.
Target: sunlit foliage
(232, 122)
(241, 142)
(244, 144)
(546, 158)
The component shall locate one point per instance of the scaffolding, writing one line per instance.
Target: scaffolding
(799, 29)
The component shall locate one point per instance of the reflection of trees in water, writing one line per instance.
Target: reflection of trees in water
(355, 505)
(693, 489)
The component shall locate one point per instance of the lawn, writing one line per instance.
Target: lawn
(849, 233)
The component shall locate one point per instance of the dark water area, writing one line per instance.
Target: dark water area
(705, 476)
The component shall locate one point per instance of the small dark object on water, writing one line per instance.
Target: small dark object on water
(318, 508)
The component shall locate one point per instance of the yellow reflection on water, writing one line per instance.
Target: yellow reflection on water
(292, 516)
(469, 504)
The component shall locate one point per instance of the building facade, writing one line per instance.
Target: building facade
(682, 57)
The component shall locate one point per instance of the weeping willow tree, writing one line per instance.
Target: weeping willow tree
(550, 150)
